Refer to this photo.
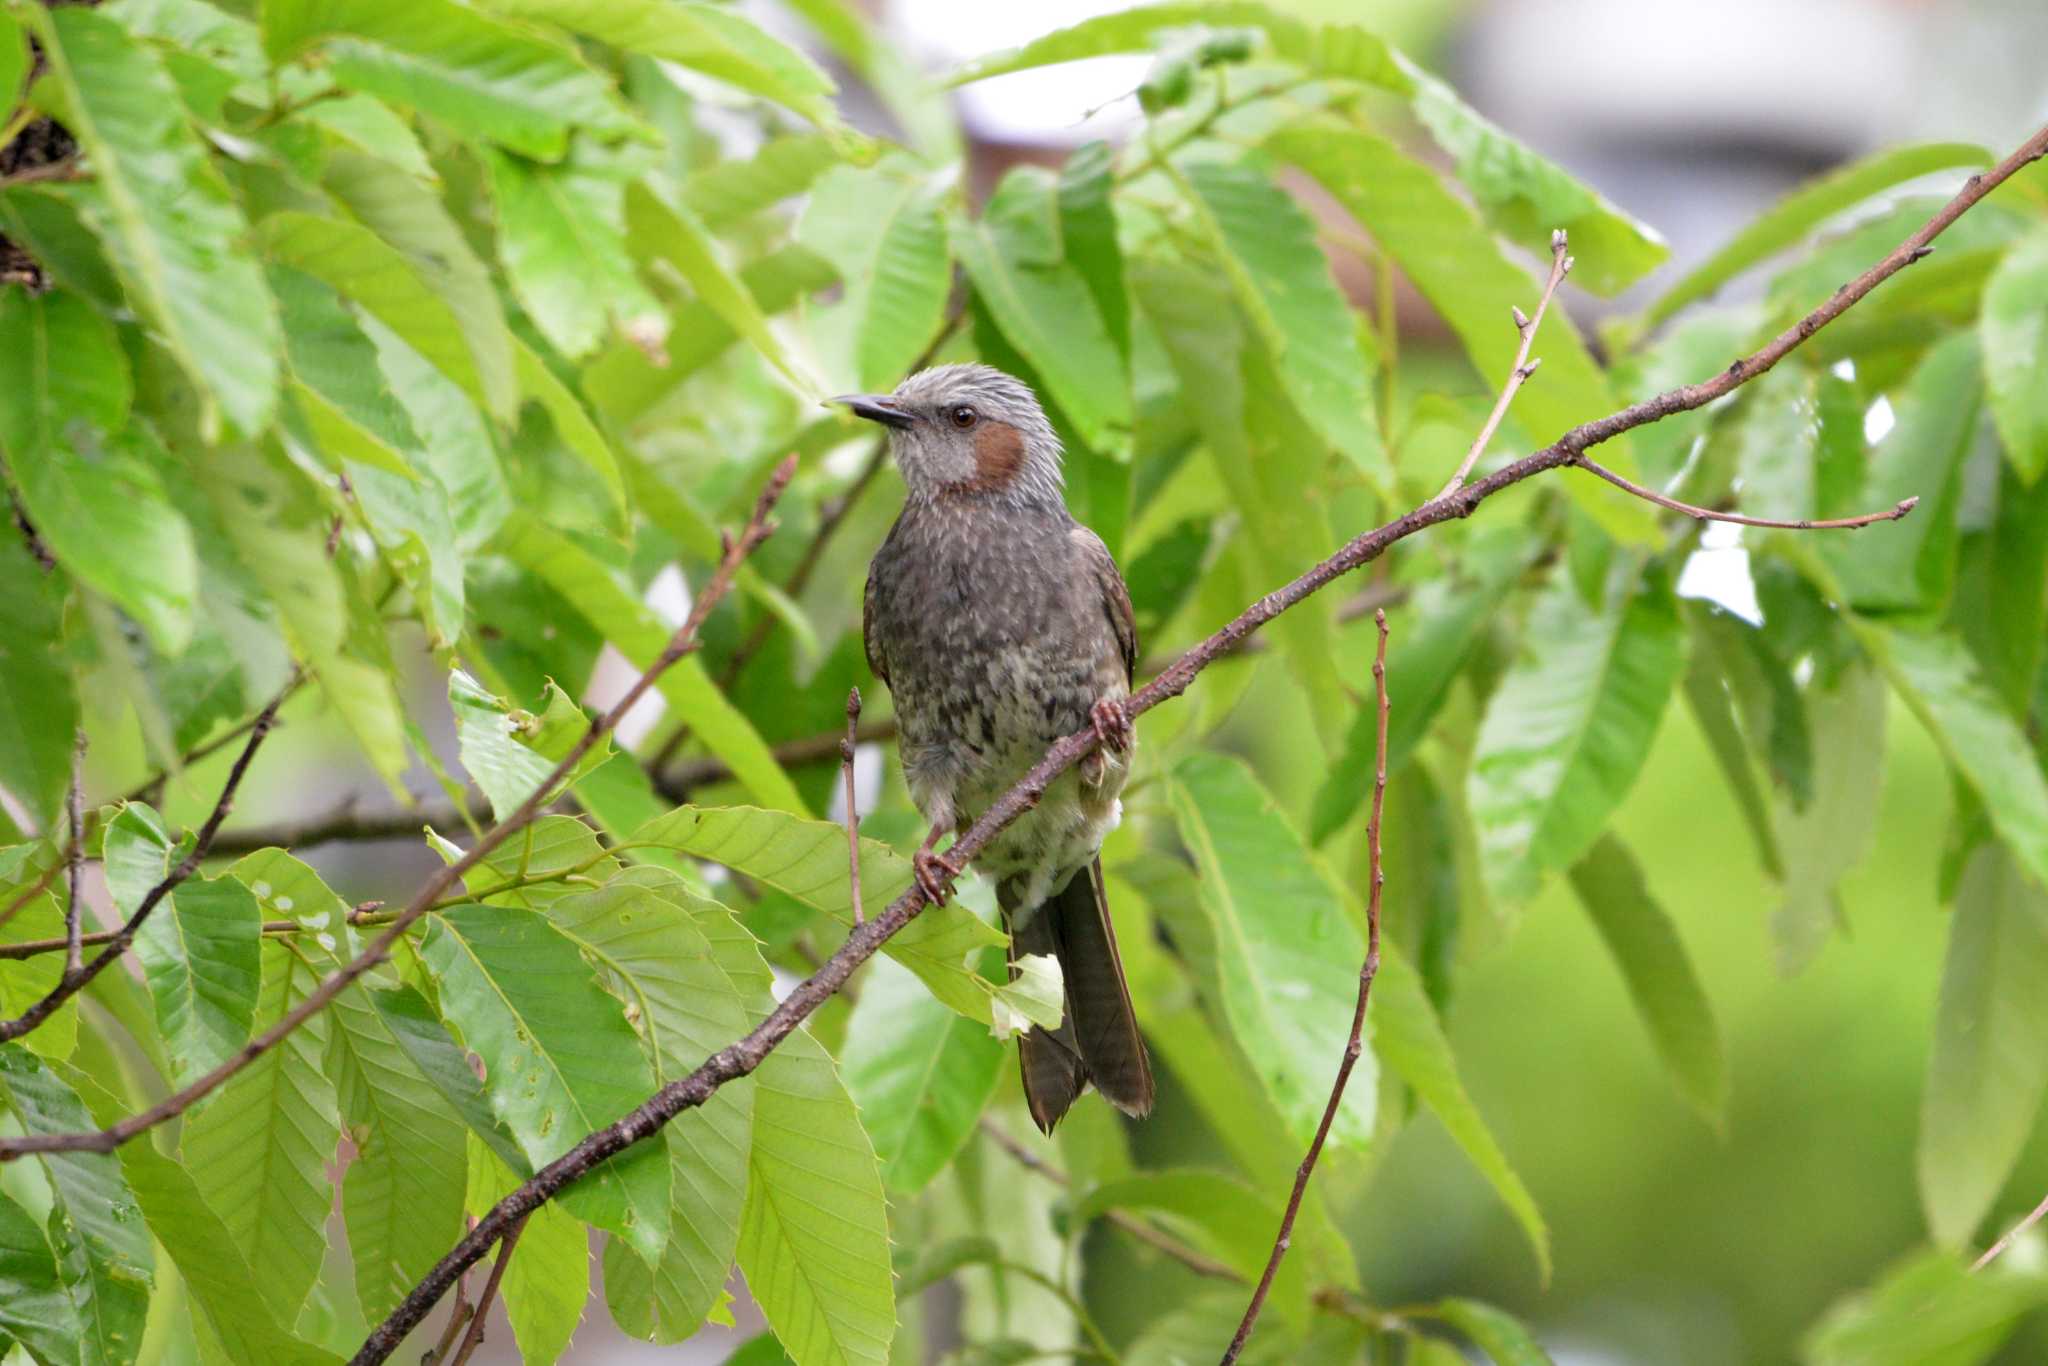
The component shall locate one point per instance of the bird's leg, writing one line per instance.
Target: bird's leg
(934, 872)
(1111, 717)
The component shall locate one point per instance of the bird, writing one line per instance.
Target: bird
(1000, 624)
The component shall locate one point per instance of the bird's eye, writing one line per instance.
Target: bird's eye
(961, 416)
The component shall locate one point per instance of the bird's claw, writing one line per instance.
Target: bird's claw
(934, 874)
(1111, 717)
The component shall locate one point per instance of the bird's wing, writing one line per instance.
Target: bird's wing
(1116, 599)
(867, 631)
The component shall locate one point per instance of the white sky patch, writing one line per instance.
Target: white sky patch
(1043, 106)
(1878, 419)
(867, 784)
(669, 595)
(1718, 572)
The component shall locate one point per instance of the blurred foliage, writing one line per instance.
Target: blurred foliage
(382, 340)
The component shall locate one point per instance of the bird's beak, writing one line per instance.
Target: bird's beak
(875, 408)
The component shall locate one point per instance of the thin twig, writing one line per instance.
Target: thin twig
(74, 981)
(846, 744)
(74, 807)
(741, 1057)
(343, 822)
(1354, 1045)
(458, 1319)
(2012, 1235)
(490, 1292)
(150, 787)
(32, 948)
(1560, 266)
(1891, 514)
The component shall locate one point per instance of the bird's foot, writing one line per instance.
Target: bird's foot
(934, 874)
(1111, 717)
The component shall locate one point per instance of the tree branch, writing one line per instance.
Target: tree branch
(1700, 514)
(741, 1057)
(75, 979)
(682, 643)
(2012, 1235)
(475, 1338)
(1560, 266)
(74, 861)
(1367, 970)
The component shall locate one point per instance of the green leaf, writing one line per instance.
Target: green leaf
(1926, 1310)
(104, 1259)
(727, 192)
(578, 433)
(1776, 442)
(200, 956)
(411, 218)
(279, 533)
(632, 626)
(1437, 638)
(1990, 1062)
(1525, 195)
(257, 1148)
(814, 1240)
(1936, 677)
(175, 232)
(1088, 233)
(372, 127)
(341, 396)
(401, 1197)
(1831, 832)
(1286, 948)
(1715, 715)
(376, 277)
(806, 859)
(35, 1307)
(1799, 213)
(211, 1262)
(562, 236)
(1409, 1040)
(456, 446)
(546, 1285)
(2014, 330)
(1014, 257)
(510, 753)
(562, 1060)
(25, 981)
(490, 80)
(1495, 1332)
(671, 233)
(1284, 285)
(1439, 244)
(703, 37)
(1569, 728)
(883, 229)
(920, 1074)
(38, 704)
(99, 507)
(640, 929)
(1661, 981)
(445, 1065)
(14, 58)
(1910, 564)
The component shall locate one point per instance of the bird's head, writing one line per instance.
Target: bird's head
(967, 431)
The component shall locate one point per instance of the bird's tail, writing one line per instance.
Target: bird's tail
(1098, 1041)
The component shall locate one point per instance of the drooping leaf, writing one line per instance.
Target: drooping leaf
(1504, 1338)
(919, 1073)
(572, 424)
(1013, 255)
(200, 957)
(456, 447)
(511, 752)
(727, 192)
(2014, 332)
(412, 1023)
(1442, 248)
(1661, 980)
(1936, 677)
(1284, 286)
(487, 79)
(1990, 1061)
(35, 1307)
(38, 703)
(1569, 728)
(95, 501)
(1831, 832)
(257, 1149)
(883, 229)
(640, 930)
(1287, 950)
(561, 1058)
(104, 1260)
(1805, 209)
(561, 234)
(177, 236)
